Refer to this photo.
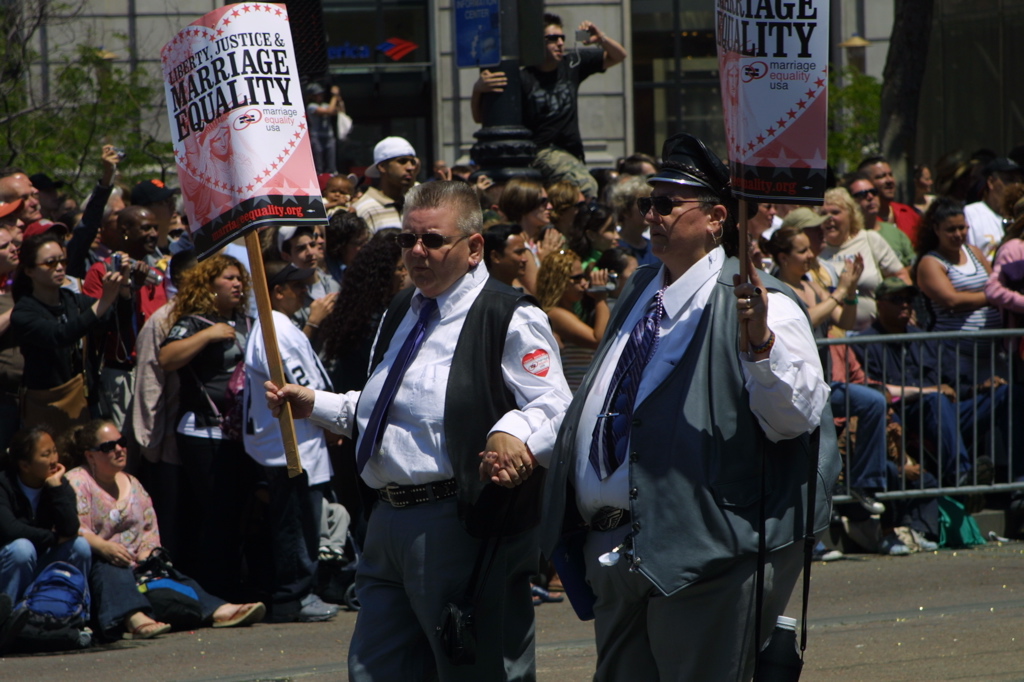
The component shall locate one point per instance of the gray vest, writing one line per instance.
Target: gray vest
(695, 455)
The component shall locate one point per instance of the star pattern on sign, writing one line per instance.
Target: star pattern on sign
(278, 12)
(812, 92)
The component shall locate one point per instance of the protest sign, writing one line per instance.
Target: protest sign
(238, 125)
(773, 66)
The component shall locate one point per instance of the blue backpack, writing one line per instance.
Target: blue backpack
(54, 611)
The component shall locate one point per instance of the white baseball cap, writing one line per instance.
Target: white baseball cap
(389, 148)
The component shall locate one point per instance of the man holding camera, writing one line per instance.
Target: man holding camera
(134, 241)
(550, 92)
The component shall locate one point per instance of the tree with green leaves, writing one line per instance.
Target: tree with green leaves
(854, 107)
(58, 109)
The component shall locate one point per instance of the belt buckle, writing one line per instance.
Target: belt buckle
(390, 490)
(607, 519)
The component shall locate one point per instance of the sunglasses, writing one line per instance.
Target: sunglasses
(865, 193)
(554, 37)
(53, 263)
(663, 205)
(578, 278)
(111, 444)
(431, 240)
(543, 202)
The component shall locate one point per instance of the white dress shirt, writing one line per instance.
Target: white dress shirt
(413, 449)
(787, 389)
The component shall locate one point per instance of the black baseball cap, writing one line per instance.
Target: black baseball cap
(289, 273)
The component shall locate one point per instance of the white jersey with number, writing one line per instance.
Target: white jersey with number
(262, 430)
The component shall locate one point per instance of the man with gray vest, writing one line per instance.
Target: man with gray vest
(454, 430)
(664, 443)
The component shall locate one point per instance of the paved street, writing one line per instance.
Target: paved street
(950, 615)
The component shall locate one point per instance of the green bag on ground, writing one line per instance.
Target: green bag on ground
(957, 528)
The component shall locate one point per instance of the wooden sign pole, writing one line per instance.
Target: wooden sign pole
(744, 255)
(259, 285)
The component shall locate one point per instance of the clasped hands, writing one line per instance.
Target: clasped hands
(506, 460)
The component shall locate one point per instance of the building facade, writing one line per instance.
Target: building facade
(395, 64)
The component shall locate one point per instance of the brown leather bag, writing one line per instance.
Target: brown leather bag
(59, 408)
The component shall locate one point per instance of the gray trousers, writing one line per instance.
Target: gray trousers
(417, 559)
(705, 631)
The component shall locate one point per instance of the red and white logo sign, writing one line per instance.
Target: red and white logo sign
(537, 363)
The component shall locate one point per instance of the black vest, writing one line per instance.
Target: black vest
(475, 399)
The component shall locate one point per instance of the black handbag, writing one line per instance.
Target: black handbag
(457, 626)
(173, 600)
(457, 631)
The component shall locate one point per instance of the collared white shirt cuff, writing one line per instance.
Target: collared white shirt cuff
(515, 424)
(335, 412)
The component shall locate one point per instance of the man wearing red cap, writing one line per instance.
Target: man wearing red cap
(15, 186)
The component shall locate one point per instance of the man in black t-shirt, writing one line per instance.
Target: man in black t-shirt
(550, 107)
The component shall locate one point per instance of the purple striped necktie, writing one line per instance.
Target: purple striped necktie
(371, 438)
(611, 432)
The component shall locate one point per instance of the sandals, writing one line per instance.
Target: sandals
(147, 630)
(245, 614)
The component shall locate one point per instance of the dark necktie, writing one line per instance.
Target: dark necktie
(611, 432)
(371, 438)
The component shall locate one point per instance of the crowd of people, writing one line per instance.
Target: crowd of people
(169, 351)
(136, 414)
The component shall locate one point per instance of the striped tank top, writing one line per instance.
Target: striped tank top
(969, 277)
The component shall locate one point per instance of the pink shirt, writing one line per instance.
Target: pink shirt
(129, 521)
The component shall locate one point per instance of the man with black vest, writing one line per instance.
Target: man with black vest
(455, 426)
(663, 444)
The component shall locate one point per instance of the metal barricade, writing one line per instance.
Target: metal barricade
(991, 353)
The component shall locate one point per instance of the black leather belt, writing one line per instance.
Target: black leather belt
(399, 496)
(609, 518)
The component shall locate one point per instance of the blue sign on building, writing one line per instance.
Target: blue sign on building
(477, 33)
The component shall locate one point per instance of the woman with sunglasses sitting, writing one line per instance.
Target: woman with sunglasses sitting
(50, 323)
(116, 518)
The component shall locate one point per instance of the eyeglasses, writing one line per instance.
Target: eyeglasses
(554, 37)
(865, 193)
(899, 299)
(53, 263)
(663, 205)
(431, 240)
(111, 444)
(578, 278)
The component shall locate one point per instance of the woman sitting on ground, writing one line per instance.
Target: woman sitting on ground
(117, 520)
(38, 524)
